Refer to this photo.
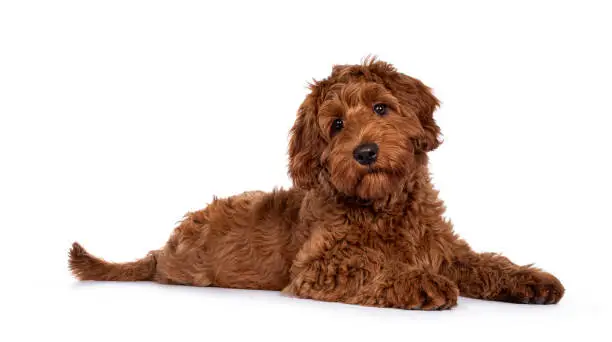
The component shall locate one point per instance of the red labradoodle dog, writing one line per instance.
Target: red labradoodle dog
(362, 225)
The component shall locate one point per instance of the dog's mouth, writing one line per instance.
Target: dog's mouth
(367, 182)
(372, 170)
(377, 171)
(376, 183)
(377, 176)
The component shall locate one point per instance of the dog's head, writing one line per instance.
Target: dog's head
(362, 130)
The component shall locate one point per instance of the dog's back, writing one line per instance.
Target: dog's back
(244, 241)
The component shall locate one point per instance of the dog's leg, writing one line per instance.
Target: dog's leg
(329, 269)
(408, 289)
(494, 277)
(414, 289)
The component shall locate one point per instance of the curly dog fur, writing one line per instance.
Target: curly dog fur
(360, 226)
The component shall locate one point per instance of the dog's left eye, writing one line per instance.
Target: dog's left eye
(380, 109)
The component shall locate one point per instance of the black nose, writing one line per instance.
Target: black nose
(365, 154)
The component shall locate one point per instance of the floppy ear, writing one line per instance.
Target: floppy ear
(413, 93)
(305, 146)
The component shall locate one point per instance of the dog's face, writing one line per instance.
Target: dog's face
(362, 129)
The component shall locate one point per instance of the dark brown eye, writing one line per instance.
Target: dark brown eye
(380, 109)
(336, 127)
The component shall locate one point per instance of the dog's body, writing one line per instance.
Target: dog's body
(362, 225)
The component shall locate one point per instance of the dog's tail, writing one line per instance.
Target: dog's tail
(85, 266)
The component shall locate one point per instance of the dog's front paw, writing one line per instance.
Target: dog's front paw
(297, 288)
(535, 287)
(423, 291)
(437, 293)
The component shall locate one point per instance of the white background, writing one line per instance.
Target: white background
(117, 117)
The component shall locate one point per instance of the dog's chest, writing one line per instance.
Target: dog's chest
(394, 239)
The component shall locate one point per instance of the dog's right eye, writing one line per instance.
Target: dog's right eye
(336, 127)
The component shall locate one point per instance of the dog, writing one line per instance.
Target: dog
(362, 223)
